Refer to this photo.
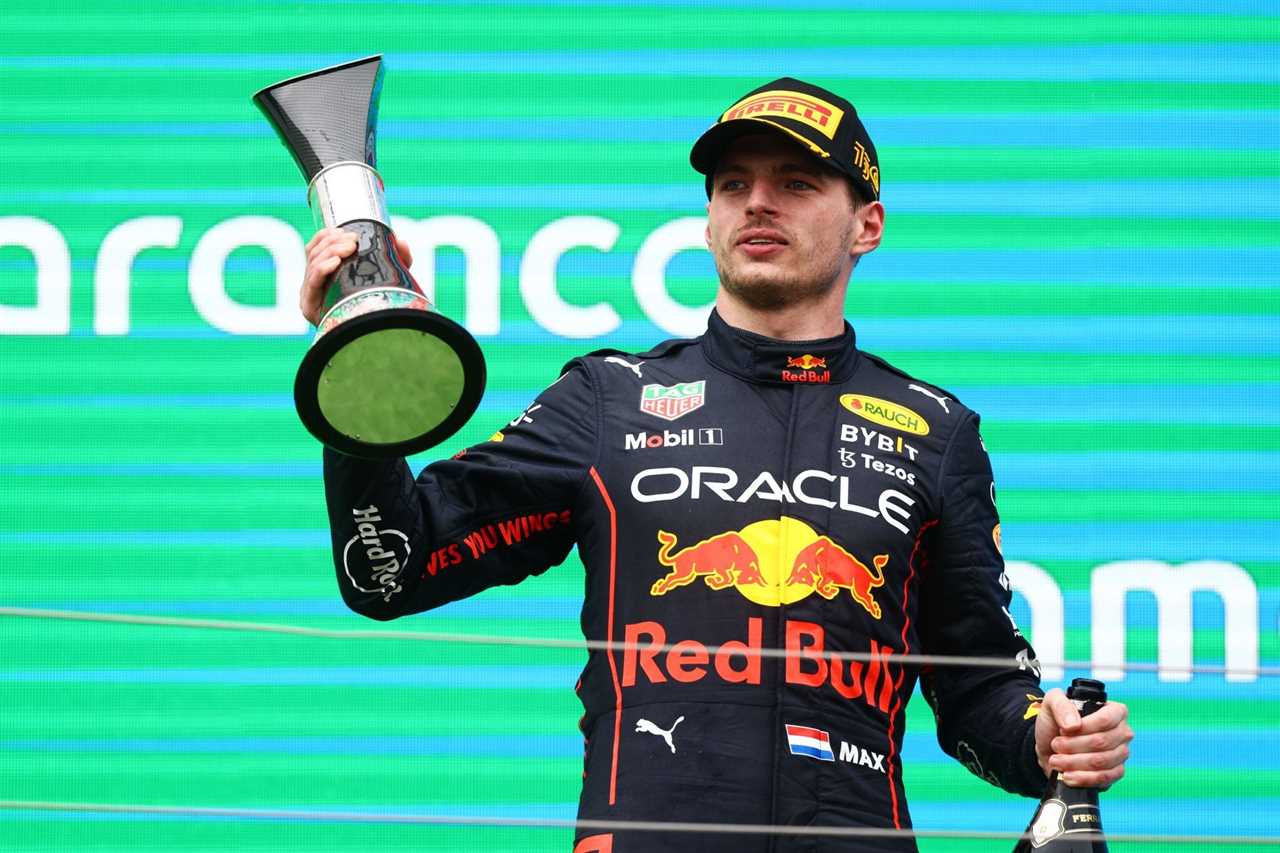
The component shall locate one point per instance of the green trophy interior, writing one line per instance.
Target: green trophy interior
(390, 385)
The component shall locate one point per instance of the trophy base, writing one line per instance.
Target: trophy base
(389, 383)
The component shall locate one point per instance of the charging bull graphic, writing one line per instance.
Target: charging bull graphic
(828, 568)
(798, 561)
(722, 560)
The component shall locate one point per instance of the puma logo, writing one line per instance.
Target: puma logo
(942, 401)
(643, 725)
(634, 368)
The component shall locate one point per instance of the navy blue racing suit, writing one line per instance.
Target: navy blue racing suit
(727, 494)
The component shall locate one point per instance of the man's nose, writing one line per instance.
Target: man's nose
(761, 199)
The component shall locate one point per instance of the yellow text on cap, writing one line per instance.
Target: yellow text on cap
(806, 109)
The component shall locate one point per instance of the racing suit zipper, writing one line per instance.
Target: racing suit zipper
(780, 663)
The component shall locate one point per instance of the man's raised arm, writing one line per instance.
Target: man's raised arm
(493, 514)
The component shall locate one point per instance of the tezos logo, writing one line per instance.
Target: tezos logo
(374, 558)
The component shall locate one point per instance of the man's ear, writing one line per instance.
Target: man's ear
(867, 238)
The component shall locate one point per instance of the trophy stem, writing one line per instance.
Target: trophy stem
(376, 263)
(346, 192)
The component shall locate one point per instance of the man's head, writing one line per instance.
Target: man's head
(821, 121)
(791, 207)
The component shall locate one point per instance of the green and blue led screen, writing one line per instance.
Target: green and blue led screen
(1083, 244)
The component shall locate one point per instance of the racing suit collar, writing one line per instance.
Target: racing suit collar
(760, 359)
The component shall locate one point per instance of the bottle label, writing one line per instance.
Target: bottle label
(1056, 819)
(1049, 823)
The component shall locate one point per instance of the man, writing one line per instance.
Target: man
(767, 485)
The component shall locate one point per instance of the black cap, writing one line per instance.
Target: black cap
(822, 121)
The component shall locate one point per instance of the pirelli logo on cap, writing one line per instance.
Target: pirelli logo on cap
(815, 112)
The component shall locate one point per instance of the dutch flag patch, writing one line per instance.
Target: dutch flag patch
(815, 743)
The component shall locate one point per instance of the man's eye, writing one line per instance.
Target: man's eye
(797, 184)
(732, 184)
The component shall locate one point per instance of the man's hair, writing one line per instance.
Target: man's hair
(855, 197)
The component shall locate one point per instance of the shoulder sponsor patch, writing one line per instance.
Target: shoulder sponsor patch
(885, 413)
(673, 401)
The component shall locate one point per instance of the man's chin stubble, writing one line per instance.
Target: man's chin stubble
(767, 293)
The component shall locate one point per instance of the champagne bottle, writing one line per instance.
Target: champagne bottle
(1068, 820)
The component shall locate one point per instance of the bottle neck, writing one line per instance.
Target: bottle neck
(1060, 790)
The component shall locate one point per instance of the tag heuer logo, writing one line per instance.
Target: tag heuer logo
(673, 401)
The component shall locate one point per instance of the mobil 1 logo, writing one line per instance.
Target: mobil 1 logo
(375, 556)
(689, 437)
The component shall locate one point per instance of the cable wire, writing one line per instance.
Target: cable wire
(603, 825)
(587, 824)
(595, 645)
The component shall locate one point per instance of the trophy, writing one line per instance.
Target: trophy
(386, 374)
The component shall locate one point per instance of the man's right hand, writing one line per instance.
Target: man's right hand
(325, 252)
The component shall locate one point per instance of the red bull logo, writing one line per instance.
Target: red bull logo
(808, 369)
(652, 657)
(806, 362)
(828, 568)
(723, 560)
(805, 563)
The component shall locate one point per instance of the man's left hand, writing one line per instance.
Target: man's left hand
(1089, 751)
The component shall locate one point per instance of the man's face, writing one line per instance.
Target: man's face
(780, 226)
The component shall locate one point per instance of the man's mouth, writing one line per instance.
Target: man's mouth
(761, 243)
(761, 237)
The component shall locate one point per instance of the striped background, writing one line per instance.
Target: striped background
(1083, 237)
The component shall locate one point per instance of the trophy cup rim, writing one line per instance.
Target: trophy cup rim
(376, 57)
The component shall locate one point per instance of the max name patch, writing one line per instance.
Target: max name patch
(816, 743)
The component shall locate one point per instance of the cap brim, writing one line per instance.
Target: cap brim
(709, 147)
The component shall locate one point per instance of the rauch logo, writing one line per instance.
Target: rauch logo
(885, 413)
